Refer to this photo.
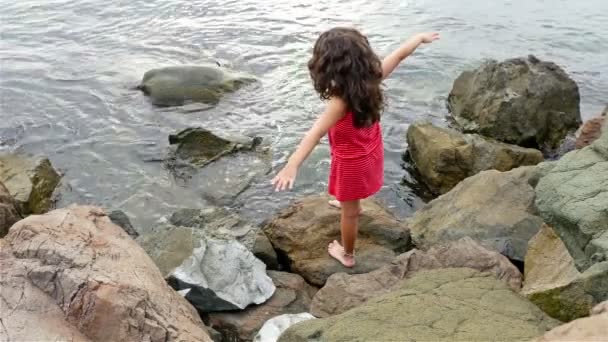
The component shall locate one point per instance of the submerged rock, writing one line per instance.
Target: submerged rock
(273, 328)
(304, 230)
(594, 328)
(177, 85)
(31, 181)
(444, 157)
(521, 101)
(8, 211)
(456, 304)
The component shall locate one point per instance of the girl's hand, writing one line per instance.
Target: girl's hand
(428, 37)
(285, 178)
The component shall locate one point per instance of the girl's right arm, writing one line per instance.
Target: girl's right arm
(390, 62)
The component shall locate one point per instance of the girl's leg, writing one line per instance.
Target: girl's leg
(336, 204)
(349, 226)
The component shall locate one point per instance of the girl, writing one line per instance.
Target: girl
(346, 72)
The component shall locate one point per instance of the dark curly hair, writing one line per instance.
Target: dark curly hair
(344, 65)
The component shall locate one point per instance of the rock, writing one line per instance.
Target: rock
(293, 295)
(273, 328)
(263, 250)
(554, 284)
(303, 231)
(572, 197)
(521, 101)
(444, 157)
(601, 308)
(343, 292)
(73, 268)
(494, 208)
(8, 211)
(454, 304)
(222, 275)
(592, 129)
(177, 85)
(119, 218)
(594, 328)
(31, 181)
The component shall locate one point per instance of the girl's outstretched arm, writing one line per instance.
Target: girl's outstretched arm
(335, 110)
(390, 62)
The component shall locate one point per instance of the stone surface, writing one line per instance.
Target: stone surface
(222, 275)
(444, 157)
(494, 208)
(520, 101)
(554, 284)
(304, 230)
(592, 129)
(273, 328)
(74, 268)
(572, 197)
(590, 329)
(343, 292)
(456, 304)
(176, 85)
(119, 218)
(292, 296)
(30, 180)
(263, 250)
(8, 211)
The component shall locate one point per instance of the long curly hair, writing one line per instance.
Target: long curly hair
(344, 65)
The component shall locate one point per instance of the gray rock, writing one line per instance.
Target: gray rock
(222, 275)
(274, 327)
(121, 219)
(263, 250)
(520, 101)
(8, 211)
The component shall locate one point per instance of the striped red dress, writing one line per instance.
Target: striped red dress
(357, 160)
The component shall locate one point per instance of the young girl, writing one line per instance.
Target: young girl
(346, 72)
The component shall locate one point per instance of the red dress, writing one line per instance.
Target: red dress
(357, 160)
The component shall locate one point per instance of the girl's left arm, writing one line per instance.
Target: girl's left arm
(335, 110)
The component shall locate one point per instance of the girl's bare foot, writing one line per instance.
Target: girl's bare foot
(337, 252)
(336, 204)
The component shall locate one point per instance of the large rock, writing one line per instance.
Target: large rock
(176, 85)
(494, 208)
(273, 328)
(72, 270)
(520, 101)
(304, 230)
(572, 197)
(590, 329)
(456, 304)
(592, 129)
(292, 296)
(31, 181)
(343, 292)
(554, 284)
(8, 211)
(444, 157)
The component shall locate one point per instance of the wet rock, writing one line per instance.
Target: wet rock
(444, 157)
(293, 295)
(521, 101)
(304, 230)
(572, 197)
(592, 129)
(343, 292)
(594, 328)
(263, 250)
(177, 85)
(273, 328)
(119, 218)
(31, 181)
(74, 268)
(456, 304)
(222, 275)
(554, 284)
(8, 211)
(494, 208)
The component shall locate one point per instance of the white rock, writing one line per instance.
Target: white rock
(274, 327)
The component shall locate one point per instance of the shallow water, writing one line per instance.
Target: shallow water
(68, 69)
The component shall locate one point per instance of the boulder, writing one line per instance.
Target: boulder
(590, 329)
(292, 296)
(572, 197)
(273, 328)
(263, 250)
(444, 157)
(592, 129)
(8, 211)
(31, 181)
(494, 208)
(454, 304)
(222, 275)
(73, 273)
(119, 218)
(343, 292)
(177, 85)
(303, 231)
(521, 101)
(555, 285)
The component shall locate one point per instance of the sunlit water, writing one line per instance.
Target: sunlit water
(68, 69)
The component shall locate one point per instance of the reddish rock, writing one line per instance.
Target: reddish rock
(591, 130)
